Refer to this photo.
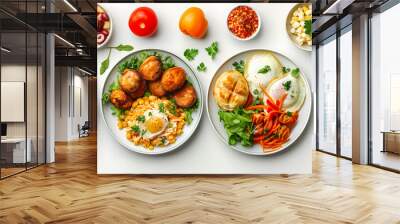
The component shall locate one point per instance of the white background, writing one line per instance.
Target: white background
(204, 153)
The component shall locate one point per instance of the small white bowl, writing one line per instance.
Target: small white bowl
(254, 34)
(110, 31)
(292, 37)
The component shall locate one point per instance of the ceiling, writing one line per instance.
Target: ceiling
(72, 20)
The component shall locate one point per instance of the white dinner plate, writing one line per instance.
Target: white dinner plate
(119, 135)
(212, 107)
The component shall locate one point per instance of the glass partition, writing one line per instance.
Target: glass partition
(326, 105)
(346, 94)
(22, 89)
(385, 90)
(14, 153)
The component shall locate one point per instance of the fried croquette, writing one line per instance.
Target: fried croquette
(120, 99)
(156, 88)
(185, 97)
(151, 68)
(130, 80)
(140, 91)
(173, 79)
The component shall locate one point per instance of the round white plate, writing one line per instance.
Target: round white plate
(212, 107)
(119, 135)
(288, 27)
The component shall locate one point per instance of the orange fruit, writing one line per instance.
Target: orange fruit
(193, 22)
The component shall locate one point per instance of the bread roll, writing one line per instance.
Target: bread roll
(231, 90)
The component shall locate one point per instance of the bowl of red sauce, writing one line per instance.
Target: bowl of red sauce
(243, 22)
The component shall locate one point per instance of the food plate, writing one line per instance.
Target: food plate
(130, 122)
(288, 28)
(304, 108)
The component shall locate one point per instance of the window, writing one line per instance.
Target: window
(385, 90)
(346, 93)
(326, 108)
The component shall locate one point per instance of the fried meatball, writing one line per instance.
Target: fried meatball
(120, 99)
(185, 97)
(140, 91)
(173, 79)
(151, 68)
(156, 88)
(130, 80)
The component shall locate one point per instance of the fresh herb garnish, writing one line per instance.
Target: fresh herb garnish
(163, 140)
(201, 67)
(307, 27)
(257, 101)
(256, 92)
(264, 69)
(141, 118)
(296, 73)
(212, 50)
(147, 93)
(289, 113)
(117, 111)
(239, 66)
(105, 98)
(190, 54)
(167, 62)
(189, 111)
(172, 106)
(285, 70)
(143, 132)
(136, 129)
(106, 63)
(161, 107)
(286, 85)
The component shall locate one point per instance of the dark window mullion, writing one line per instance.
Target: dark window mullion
(316, 94)
(338, 73)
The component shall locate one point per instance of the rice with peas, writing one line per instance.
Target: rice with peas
(174, 128)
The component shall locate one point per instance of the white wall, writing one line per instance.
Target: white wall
(70, 84)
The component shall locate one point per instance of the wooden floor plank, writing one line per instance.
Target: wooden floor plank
(70, 191)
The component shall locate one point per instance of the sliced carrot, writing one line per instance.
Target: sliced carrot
(266, 93)
(256, 107)
(281, 100)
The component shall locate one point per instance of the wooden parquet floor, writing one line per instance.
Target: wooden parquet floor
(69, 191)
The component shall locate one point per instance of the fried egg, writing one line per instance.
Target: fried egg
(153, 124)
(260, 69)
(293, 86)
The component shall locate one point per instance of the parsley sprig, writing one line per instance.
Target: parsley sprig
(239, 66)
(212, 50)
(202, 67)
(264, 69)
(190, 53)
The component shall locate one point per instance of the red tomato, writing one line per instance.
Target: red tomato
(143, 22)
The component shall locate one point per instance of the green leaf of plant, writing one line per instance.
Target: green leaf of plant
(104, 65)
(239, 66)
(307, 27)
(296, 73)
(212, 50)
(201, 67)
(124, 47)
(190, 54)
